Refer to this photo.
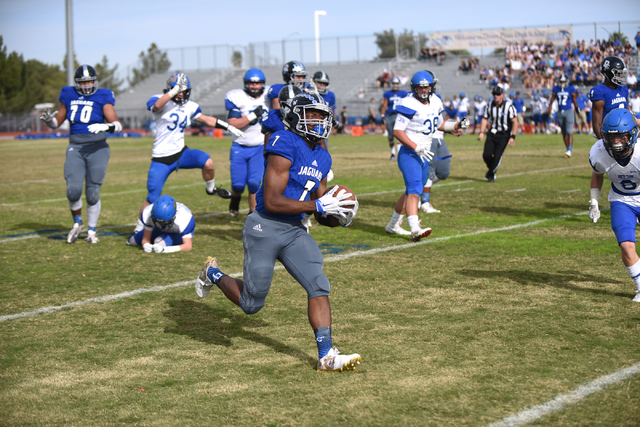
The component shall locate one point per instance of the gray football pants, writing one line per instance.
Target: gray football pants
(266, 240)
(86, 161)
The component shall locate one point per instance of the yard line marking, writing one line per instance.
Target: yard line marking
(515, 191)
(352, 167)
(335, 258)
(560, 402)
(572, 191)
(464, 189)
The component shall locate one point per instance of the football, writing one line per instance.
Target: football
(333, 221)
(340, 188)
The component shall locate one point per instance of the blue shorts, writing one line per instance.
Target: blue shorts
(624, 218)
(414, 171)
(159, 172)
(247, 167)
(536, 118)
(461, 115)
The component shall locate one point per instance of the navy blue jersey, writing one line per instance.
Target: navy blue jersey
(273, 122)
(393, 98)
(308, 168)
(564, 96)
(613, 98)
(83, 110)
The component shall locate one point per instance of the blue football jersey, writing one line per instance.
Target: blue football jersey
(308, 168)
(564, 97)
(393, 99)
(83, 110)
(273, 122)
(613, 98)
(330, 99)
(274, 91)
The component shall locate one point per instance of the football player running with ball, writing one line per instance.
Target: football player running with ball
(294, 183)
(87, 108)
(615, 155)
(419, 118)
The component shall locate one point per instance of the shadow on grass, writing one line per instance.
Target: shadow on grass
(215, 326)
(561, 280)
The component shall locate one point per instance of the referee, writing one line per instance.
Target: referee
(502, 119)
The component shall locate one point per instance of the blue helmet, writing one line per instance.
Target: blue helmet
(173, 79)
(619, 134)
(254, 75)
(422, 79)
(163, 212)
(462, 95)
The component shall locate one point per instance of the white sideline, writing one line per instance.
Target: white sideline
(559, 402)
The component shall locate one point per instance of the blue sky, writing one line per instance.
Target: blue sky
(122, 29)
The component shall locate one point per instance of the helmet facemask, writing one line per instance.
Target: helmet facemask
(314, 121)
(619, 146)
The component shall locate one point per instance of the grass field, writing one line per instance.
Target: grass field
(514, 300)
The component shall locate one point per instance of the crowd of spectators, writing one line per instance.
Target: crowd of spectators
(432, 54)
(539, 65)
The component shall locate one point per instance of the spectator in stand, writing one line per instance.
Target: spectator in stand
(637, 38)
(383, 79)
(424, 53)
(463, 68)
(518, 102)
(441, 55)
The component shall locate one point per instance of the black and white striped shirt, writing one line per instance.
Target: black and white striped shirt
(499, 117)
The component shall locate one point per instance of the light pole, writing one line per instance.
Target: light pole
(284, 59)
(316, 16)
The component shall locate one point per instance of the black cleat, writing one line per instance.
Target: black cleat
(220, 192)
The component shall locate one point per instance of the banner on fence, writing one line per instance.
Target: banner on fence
(492, 39)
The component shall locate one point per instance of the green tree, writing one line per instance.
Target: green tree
(107, 76)
(386, 42)
(236, 59)
(151, 62)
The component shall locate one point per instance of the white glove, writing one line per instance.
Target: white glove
(148, 247)
(98, 127)
(237, 132)
(49, 118)
(180, 86)
(157, 248)
(330, 175)
(464, 123)
(350, 215)
(594, 212)
(330, 205)
(424, 153)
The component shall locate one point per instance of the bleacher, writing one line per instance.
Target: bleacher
(209, 87)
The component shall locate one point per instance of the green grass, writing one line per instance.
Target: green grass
(479, 323)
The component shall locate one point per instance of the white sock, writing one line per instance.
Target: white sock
(393, 149)
(634, 273)
(414, 223)
(74, 206)
(93, 212)
(211, 185)
(395, 219)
